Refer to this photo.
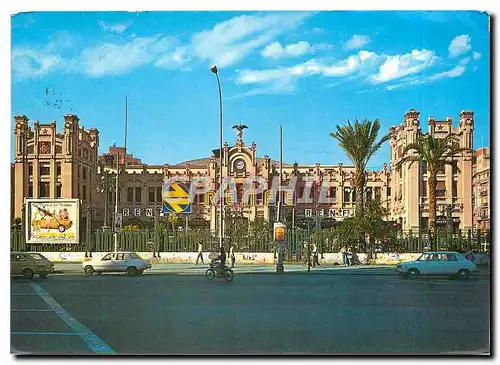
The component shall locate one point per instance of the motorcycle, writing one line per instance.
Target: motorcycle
(216, 272)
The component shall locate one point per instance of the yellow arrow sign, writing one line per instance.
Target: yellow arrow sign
(176, 198)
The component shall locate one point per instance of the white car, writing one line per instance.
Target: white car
(447, 263)
(128, 262)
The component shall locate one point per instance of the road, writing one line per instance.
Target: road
(255, 314)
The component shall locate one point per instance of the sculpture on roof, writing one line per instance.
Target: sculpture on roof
(239, 128)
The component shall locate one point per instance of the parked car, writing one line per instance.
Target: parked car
(128, 262)
(29, 264)
(443, 263)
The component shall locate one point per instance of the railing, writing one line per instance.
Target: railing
(325, 239)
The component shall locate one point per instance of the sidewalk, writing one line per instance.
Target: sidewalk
(192, 269)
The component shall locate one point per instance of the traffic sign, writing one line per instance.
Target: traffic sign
(176, 198)
(118, 222)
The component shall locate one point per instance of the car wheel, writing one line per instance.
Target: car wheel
(43, 276)
(61, 228)
(210, 274)
(413, 274)
(89, 270)
(463, 274)
(229, 275)
(139, 272)
(28, 273)
(131, 271)
(99, 273)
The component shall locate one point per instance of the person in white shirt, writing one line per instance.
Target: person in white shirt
(315, 256)
(200, 254)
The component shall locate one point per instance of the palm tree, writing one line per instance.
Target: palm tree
(359, 141)
(435, 153)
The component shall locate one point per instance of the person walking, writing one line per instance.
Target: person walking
(232, 256)
(200, 254)
(315, 256)
(345, 259)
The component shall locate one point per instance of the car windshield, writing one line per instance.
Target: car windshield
(134, 255)
(37, 256)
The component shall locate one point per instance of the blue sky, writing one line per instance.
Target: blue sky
(308, 71)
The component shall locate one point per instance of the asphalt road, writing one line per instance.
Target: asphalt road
(255, 314)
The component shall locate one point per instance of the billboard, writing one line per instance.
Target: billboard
(52, 220)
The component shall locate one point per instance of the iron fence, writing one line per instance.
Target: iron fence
(325, 239)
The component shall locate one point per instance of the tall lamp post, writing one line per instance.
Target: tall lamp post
(221, 201)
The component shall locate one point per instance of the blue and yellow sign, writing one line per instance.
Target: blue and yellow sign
(176, 198)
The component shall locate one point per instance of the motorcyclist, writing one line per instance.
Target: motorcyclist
(220, 260)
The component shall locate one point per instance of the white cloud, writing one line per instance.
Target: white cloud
(356, 42)
(476, 55)
(459, 45)
(284, 79)
(276, 50)
(399, 66)
(465, 61)
(229, 42)
(28, 63)
(454, 72)
(114, 28)
(176, 59)
(114, 59)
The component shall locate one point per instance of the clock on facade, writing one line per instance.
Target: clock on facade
(239, 165)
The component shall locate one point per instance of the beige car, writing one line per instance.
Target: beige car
(28, 264)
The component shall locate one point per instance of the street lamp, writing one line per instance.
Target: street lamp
(221, 201)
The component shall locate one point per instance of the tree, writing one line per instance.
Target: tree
(235, 229)
(434, 153)
(359, 141)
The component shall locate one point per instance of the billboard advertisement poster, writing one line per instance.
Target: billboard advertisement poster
(52, 220)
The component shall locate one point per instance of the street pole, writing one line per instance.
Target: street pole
(155, 233)
(88, 230)
(221, 200)
(279, 266)
(118, 172)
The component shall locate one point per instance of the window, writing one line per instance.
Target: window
(441, 168)
(378, 193)
(347, 195)
(30, 190)
(37, 256)
(400, 171)
(44, 170)
(389, 191)
(301, 192)
(369, 193)
(151, 195)
(138, 193)
(84, 192)
(58, 169)
(130, 194)
(451, 257)
(58, 190)
(158, 194)
(454, 189)
(30, 169)
(455, 167)
(84, 173)
(332, 192)
(424, 167)
(441, 189)
(424, 189)
(108, 257)
(354, 196)
(44, 190)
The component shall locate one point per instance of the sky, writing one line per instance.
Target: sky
(307, 71)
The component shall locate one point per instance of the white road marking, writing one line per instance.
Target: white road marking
(31, 310)
(46, 333)
(93, 341)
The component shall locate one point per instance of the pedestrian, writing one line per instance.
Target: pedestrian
(315, 256)
(231, 255)
(345, 258)
(200, 254)
(347, 254)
